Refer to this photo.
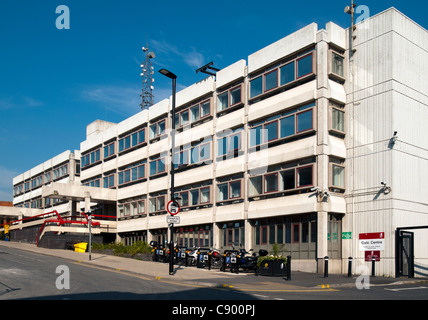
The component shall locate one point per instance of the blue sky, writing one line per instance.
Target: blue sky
(53, 83)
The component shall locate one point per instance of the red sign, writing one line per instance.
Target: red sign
(374, 235)
(173, 207)
(369, 255)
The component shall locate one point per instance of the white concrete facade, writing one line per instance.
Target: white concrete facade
(27, 187)
(387, 93)
(235, 218)
(289, 148)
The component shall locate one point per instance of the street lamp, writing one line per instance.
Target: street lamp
(172, 76)
(90, 233)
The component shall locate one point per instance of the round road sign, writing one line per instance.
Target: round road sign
(173, 207)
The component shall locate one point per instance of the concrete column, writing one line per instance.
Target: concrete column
(322, 242)
(20, 217)
(149, 236)
(216, 236)
(248, 235)
(74, 209)
(87, 201)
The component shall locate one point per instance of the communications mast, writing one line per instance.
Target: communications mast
(147, 73)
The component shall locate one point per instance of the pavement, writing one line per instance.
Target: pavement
(198, 277)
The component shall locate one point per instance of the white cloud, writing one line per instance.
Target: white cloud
(194, 59)
(119, 99)
(170, 52)
(19, 103)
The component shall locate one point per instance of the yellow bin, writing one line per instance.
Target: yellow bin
(80, 247)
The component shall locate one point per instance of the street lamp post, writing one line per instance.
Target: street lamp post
(173, 77)
(90, 233)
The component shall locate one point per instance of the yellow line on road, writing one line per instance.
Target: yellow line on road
(286, 290)
(137, 275)
(112, 270)
(224, 286)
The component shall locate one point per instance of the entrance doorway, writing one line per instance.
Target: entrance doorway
(405, 254)
(405, 251)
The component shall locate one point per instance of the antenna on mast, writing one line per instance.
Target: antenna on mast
(351, 10)
(147, 73)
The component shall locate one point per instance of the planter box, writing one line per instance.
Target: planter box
(273, 268)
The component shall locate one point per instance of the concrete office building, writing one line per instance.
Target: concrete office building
(290, 147)
(27, 187)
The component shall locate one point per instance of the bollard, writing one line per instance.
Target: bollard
(223, 265)
(373, 266)
(326, 267)
(237, 263)
(209, 260)
(288, 268)
(198, 261)
(349, 267)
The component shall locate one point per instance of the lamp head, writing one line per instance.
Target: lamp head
(168, 74)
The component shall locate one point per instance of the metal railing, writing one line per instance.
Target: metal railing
(57, 220)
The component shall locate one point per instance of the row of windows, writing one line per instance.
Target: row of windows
(189, 155)
(229, 98)
(194, 196)
(38, 203)
(275, 128)
(129, 141)
(277, 76)
(291, 178)
(270, 129)
(282, 125)
(91, 158)
(293, 229)
(281, 75)
(192, 114)
(45, 178)
(132, 208)
(131, 173)
(288, 177)
(284, 180)
(295, 235)
(278, 127)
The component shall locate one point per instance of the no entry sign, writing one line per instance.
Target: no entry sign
(173, 207)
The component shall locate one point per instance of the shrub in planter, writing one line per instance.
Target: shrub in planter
(138, 249)
(273, 265)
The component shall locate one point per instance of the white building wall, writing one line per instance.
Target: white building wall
(386, 93)
(68, 158)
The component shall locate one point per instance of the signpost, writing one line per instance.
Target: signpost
(372, 244)
(90, 233)
(173, 207)
(369, 255)
(173, 220)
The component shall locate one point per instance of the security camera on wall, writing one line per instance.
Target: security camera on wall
(395, 136)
